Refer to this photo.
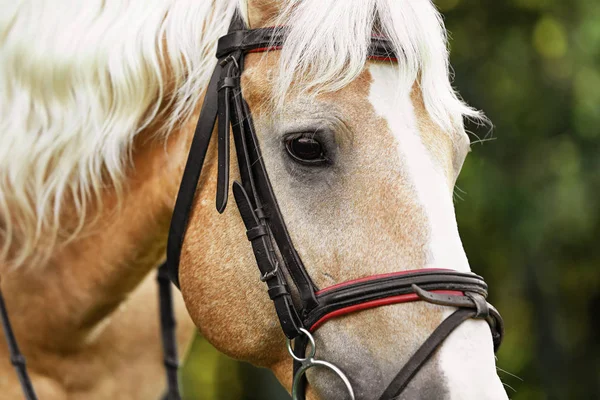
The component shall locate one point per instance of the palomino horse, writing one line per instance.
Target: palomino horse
(362, 152)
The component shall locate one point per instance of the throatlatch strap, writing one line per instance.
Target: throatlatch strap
(167, 330)
(16, 357)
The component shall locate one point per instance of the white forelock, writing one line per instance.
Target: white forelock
(78, 81)
(328, 43)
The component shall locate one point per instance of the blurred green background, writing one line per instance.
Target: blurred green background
(527, 200)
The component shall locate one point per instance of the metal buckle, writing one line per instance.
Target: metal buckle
(309, 362)
(270, 274)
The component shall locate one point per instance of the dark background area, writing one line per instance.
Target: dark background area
(527, 199)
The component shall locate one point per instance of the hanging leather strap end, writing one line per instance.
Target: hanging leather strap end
(442, 299)
(481, 305)
(224, 124)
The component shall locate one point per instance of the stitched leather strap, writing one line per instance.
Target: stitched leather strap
(419, 282)
(281, 236)
(471, 305)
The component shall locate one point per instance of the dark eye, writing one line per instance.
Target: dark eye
(306, 151)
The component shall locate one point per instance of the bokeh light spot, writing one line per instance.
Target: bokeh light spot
(550, 38)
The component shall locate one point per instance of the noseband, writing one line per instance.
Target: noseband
(273, 249)
(271, 243)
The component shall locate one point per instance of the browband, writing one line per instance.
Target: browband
(251, 40)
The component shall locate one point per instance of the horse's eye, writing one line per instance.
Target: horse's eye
(306, 151)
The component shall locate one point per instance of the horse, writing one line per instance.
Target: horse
(347, 128)
(362, 153)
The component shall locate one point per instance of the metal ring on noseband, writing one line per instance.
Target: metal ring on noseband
(308, 362)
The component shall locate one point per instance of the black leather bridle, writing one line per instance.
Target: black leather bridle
(269, 237)
(273, 249)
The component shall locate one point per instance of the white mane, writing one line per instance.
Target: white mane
(79, 79)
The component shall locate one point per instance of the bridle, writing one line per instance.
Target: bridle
(271, 243)
(269, 237)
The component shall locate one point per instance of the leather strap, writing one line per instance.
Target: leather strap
(274, 37)
(16, 357)
(389, 285)
(471, 300)
(194, 163)
(292, 261)
(246, 40)
(251, 208)
(425, 352)
(227, 83)
(256, 183)
(167, 330)
(191, 175)
(277, 287)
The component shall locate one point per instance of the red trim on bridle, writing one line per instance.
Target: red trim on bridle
(404, 298)
(383, 58)
(272, 48)
(380, 276)
(263, 49)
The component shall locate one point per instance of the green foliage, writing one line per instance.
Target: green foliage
(529, 214)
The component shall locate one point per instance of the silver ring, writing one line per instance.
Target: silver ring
(318, 363)
(308, 362)
(313, 347)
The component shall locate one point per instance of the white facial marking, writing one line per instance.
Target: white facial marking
(467, 361)
(466, 358)
(428, 178)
